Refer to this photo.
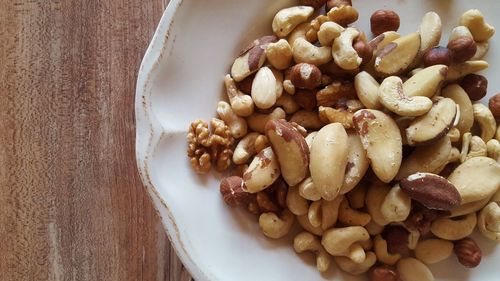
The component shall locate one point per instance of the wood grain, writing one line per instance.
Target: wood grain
(72, 206)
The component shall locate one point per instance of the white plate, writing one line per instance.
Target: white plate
(181, 80)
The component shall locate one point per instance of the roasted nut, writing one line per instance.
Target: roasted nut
(344, 242)
(357, 163)
(468, 252)
(343, 14)
(382, 140)
(488, 221)
(257, 121)
(265, 202)
(475, 86)
(383, 255)
(337, 3)
(287, 19)
(297, 204)
(251, 58)
(482, 50)
(454, 228)
(279, 54)
(494, 105)
(398, 239)
(237, 125)
(432, 191)
(232, 191)
(328, 31)
(384, 20)
(383, 273)
(426, 82)
(363, 49)
(307, 119)
(305, 76)
(324, 214)
(304, 51)
(343, 52)
(337, 90)
(288, 103)
(308, 191)
(262, 172)
(437, 55)
(433, 250)
(474, 20)
(484, 117)
(392, 96)
(288, 87)
(493, 149)
(351, 217)
(398, 55)
(396, 205)
(241, 104)
(367, 90)
(375, 196)
(356, 196)
(460, 31)
(264, 88)
(332, 115)
(411, 269)
(459, 70)
(462, 48)
(477, 148)
(313, 3)
(245, 149)
(354, 268)
(276, 227)
(421, 218)
(306, 99)
(430, 31)
(291, 150)
(305, 241)
(460, 97)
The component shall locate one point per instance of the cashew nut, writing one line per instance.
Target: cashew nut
(391, 95)
(477, 148)
(482, 49)
(367, 90)
(375, 196)
(411, 269)
(489, 221)
(328, 31)
(236, 124)
(306, 225)
(306, 241)
(454, 135)
(324, 213)
(343, 242)
(474, 20)
(305, 51)
(298, 32)
(373, 228)
(307, 119)
(459, 70)
(287, 19)
(241, 104)
(396, 206)
(344, 54)
(349, 216)
(288, 103)
(433, 250)
(279, 54)
(289, 87)
(486, 120)
(245, 149)
(257, 121)
(466, 138)
(470, 207)
(343, 15)
(274, 226)
(307, 189)
(354, 268)
(356, 196)
(297, 204)
(493, 148)
(454, 228)
(382, 253)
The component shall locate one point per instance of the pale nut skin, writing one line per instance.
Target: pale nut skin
(432, 251)
(241, 104)
(454, 229)
(306, 225)
(340, 242)
(306, 241)
(396, 206)
(393, 97)
(398, 55)
(343, 53)
(474, 20)
(288, 103)
(328, 31)
(493, 149)
(357, 162)
(262, 171)
(477, 148)
(354, 268)
(308, 191)
(329, 159)
(426, 82)
(375, 196)
(304, 51)
(459, 70)
(297, 204)
(257, 121)
(343, 15)
(460, 97)
(411, 269)
(430, 31)
(352, 217)
(488, 221)
(367, 90)
(383, 255)
(468, 208)
(274, 226)
(245, 149)
(287, 19)
(324, 214)
(237, 125)
(251, 58)
(486, 120)
(307, 119)
(264, 88)
(279, 54)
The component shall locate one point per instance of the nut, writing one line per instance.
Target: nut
(328, 31)
(307, 119)
(352, 217)
(433, 250)
(482, 50)
(382, 140)
(437, 55)
(241, 104)
(265, 202)
(462, 48)
(279, 54)
(475, 86)
(357, 163)
(367, 90)
(291, 150)
(237, 125)
(332, 93)
(459, 70)
(323, 213)
(494, 105)
(474, 20)
(244, 86)
(337, 3)
(329, 159)
(305, 241)
(357, 196)
(288, 103)
(421, 218)
(343, 52)
(305, 76)
(262, 172)
(433, 125)
(454, 228)
(304, 51)
(258, 121)
(316, 4)
(232, 191)
(354, 268)
(460, 97)
(332, 115)
(493, 149)
(383, 273)
(245, 149)
(251, 58)
(432, 191)
(430, 31)
(460, 31)
(288, 87)
(343, 14)
(477, 148)
(396, 205)
(287, 19)
(375, 196)
(306, 225)
(398, 239)
(468, 252)
(384, 20)
(308, 191)
(276, 227)
(488, 221)
(484, 117)
(264, 88)
(398, 55)
(297, 204)
(344, 242)
(363, 49)
(392, 96)
(426, 82)
(306, 99)
(380, 245)
(411, 269)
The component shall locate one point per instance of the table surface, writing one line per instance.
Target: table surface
(72, 205)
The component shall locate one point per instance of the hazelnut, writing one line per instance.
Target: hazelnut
(475, 86)
(437, 55)
(383, 273)
(384, 20)
(397, 239)
(337, 3)
(231, 189)
(462, 48)
(306, 99)
(305, 76)
(313, 3)
(363, 49)
(246, 84)
(468, 252)
(494, 105)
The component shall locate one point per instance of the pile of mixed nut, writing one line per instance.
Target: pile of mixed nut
(379, 149)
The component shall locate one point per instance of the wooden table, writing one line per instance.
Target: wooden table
(72, 205)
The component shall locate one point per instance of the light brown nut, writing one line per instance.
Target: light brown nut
(241, 104)
(459, 70)
(304, 51)
(382, 140)
(307, 119)
(462, 48)
(332, 115)
(375, 196)
(460, 97)
(430, 31)
(328, 31)
(494, 105)
(289, 87)
(264, 88)
(334, 92)
(426, 82)
(339, 241)
(460, 31)
(329, 159)
(393, 97)
(354, 268)
(477, 148)
(237, 125)
(474, 20)
(493, 149)
(468, 252)
(364, 50)
(279, 54)
(373, 228)
(287, 19)
(232, 191)
(468, 208)
(475, 86)
(343, 15)
(432, 191)
(274, 226)
(482, 50)
(297, 204)
(245, 149)
(324, 214)
(291, 150)
(305, 241)
(433, 250)
(454, 228)
(396, 205)
(261, 142)
(384, 20)
(357, 162)
(343, 52)
(383, 273)
(357, 196)
(433, 125)
(257, 121)
(251, 58)
(411, 269)
(306, 224)
(262, 172)
(476, 179)
(337, 3)
(305, 76)
(383, 255)
(488, 221)
(437, 55)
(398, 55)
(349, 216)
(288, 103)
(308, 191)
(367, 90)
(316, 4)
(426, 158)
(485, 119)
